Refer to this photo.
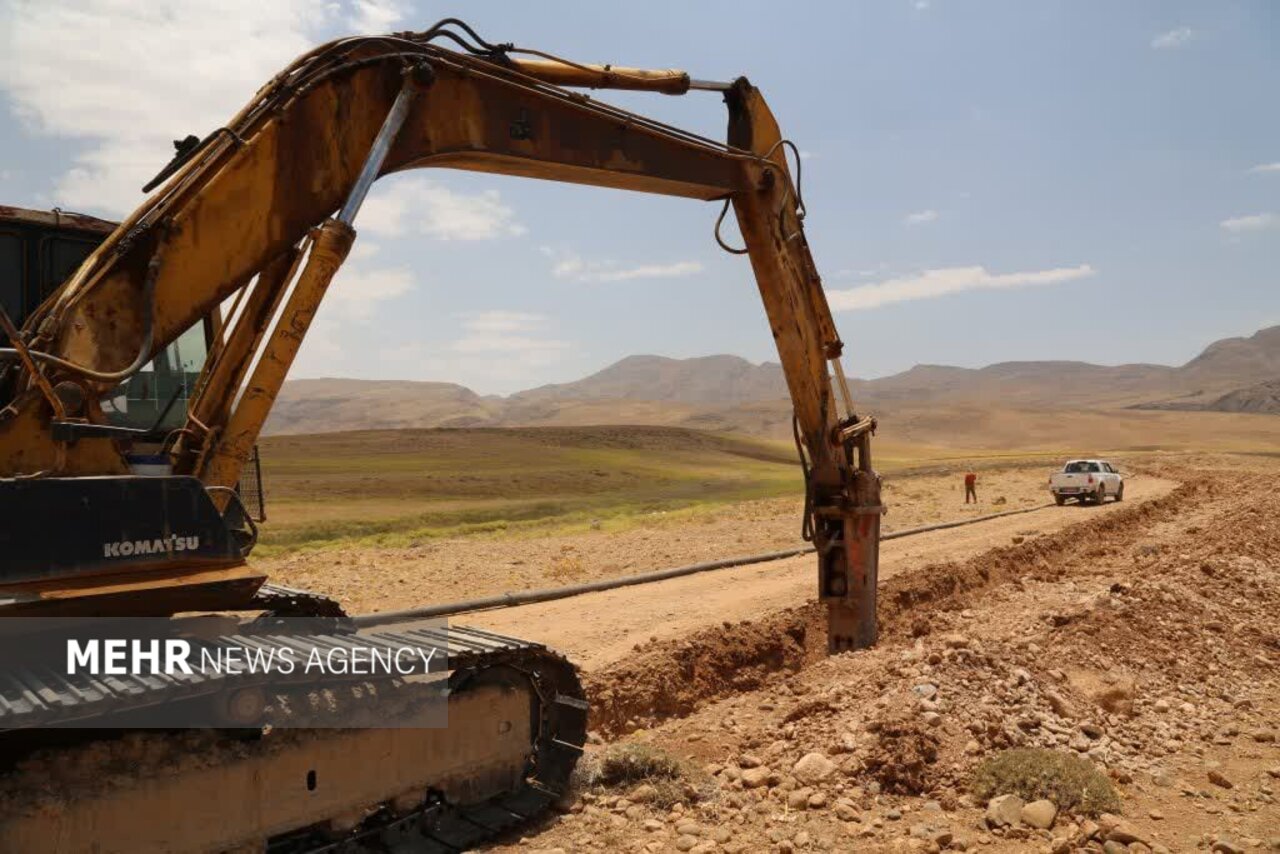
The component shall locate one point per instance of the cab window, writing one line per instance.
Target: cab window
(163, 387)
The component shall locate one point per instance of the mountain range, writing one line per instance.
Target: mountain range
(726, 392)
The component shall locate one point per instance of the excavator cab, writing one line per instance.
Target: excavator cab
(39, 250)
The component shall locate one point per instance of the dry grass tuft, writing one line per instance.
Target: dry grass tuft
(565, 566)
(632, 764)
(1074, 784)
(636, 762)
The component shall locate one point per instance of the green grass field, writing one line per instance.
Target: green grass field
(394, 487)
(400, 487)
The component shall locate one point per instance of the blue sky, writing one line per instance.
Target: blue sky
(985, 180)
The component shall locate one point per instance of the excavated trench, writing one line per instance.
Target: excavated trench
(668, 679)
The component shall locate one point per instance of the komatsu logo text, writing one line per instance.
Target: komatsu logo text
(157, 546)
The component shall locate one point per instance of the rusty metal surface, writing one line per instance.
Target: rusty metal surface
(233, 207)
(670, 81)
(156, 591)
(229, 361)
(843, 497)
(56, 219)
(329, 248)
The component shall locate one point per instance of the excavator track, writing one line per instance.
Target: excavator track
(440, 827)
(280, 601)
(481, 664)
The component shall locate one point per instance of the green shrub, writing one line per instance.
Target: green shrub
(1074, 784)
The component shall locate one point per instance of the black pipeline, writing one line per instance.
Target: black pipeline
(547, 594)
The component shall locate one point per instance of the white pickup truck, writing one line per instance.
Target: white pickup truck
(1086, 480)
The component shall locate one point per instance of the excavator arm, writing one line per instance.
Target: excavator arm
(259, 216)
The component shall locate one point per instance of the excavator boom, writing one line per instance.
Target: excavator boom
(244, 232)
(243, 208)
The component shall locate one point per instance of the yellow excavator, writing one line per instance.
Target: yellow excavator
(139, 366)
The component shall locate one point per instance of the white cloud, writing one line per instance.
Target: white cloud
(374, 17)
(458, 216)
(358, 290)
(497, 351)
(499, 322)
(1174, 38)
(570, 265)
(920, 217)
(863, 273)
(384, 210)
(363, 250)
(1251, 222)
(1267, 167)
(421, 205)
(508, 333)
(354, 297)
(128, 78)
(947, 280)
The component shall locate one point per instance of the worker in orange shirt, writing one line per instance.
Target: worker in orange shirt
(970, 487)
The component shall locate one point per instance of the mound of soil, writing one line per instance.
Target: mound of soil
(1143, 643)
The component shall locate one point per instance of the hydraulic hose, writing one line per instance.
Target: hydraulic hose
(144, 352)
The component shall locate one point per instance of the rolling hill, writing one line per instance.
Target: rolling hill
(340, 404)
(704, 380)
(729, 393)
(1224, 366)
(1262, 398)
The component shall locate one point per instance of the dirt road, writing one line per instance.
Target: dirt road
(368, 579)
(599, 629)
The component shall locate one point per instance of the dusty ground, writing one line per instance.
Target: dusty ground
(602, 628)
(368, 579)
(1141, 636)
